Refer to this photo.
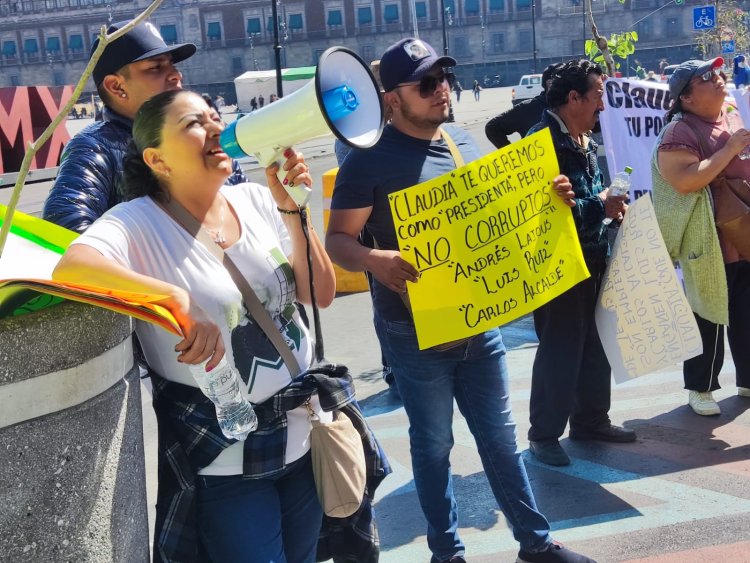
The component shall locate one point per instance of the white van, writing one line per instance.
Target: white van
(529, 87)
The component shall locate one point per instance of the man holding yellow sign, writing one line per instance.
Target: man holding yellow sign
(451, 226)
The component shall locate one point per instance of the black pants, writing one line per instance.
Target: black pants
(702, 372)
(571, 374)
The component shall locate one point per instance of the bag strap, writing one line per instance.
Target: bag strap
(252, 302)
(455, 153)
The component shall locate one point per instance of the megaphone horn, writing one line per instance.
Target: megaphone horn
(343, 98)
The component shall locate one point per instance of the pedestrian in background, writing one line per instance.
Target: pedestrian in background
(261, 101)
(571, 376)
(476, 89)
(253, 103)
(700, 142)
(457, 88)
(741, 74)
(416, 147)
(520, 118)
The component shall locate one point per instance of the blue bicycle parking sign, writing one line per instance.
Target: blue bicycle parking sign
(704, 17)
(727, 46)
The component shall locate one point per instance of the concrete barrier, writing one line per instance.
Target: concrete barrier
(346, 282)
(72, 472)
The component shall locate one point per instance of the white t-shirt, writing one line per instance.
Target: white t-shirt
(140, 236)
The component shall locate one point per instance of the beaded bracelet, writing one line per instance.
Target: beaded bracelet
(288, 212)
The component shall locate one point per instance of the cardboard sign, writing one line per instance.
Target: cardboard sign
(643, 317)
(491, 240)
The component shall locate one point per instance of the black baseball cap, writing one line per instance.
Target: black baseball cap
(142, 42)
(408, 61)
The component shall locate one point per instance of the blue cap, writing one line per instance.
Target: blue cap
(408, 61)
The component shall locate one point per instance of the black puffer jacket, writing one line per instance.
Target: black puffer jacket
(87, 183)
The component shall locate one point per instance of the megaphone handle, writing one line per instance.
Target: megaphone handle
(300, 194)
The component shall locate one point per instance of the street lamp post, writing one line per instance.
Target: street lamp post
(445, 10)
(277, 49)
(533, 33)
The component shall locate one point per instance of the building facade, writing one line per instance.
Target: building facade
(46, 42)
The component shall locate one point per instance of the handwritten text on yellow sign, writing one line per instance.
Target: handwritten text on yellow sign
(491, 239)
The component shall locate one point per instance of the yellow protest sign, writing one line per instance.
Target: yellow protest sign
(491, 240)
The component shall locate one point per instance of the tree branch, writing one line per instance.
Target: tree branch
(34, 146)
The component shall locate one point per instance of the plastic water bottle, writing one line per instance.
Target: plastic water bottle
(222, 385)
(619, 186)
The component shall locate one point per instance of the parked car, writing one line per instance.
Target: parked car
(529, 86)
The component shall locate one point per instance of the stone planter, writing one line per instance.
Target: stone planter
(72, 473)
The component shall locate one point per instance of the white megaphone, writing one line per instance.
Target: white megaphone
(343, 98)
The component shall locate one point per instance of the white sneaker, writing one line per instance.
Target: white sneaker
(743, 392)
(703, 403)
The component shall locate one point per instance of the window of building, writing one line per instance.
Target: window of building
(460, 46)
(168, 33)
(238, 66)
(421, 9)
(253, 26)
(523, 5)
(498, 42)
(334, 18)
(296, 22)
(524, 40)
(368, 53)
(364, 15)
(30, 46)
(213, 31)
(390, 13)
(75, 43)
(643, 29)
(269, 25)
(53, 45)
(471, 7)
(671, 27)
(9, 49)
(497, 5)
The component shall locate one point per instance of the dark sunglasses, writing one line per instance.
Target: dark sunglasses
(429, 83)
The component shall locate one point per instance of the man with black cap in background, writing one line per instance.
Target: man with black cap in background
(131, 70)
(522, 117)
(416, 147)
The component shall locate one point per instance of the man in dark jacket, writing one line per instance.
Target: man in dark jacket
(571, 377)
(132, 69)
(519, 119)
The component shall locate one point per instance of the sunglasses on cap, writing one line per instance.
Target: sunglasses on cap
(429, 83)
(708, 76)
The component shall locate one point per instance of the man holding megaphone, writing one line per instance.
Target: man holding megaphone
(414, 148)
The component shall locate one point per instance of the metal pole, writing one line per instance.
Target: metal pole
(451, 118)
(445, 33)
(277, 49)
(533, 32)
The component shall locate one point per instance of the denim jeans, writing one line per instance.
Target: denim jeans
(273, 520)
(476, 375)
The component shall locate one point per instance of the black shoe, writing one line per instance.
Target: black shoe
(549, 452)
(454, 559)
(605, 433)
(555, 553)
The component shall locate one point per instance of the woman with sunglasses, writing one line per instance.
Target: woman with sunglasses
(703, 140)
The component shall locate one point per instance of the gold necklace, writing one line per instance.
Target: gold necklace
(217, 234)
